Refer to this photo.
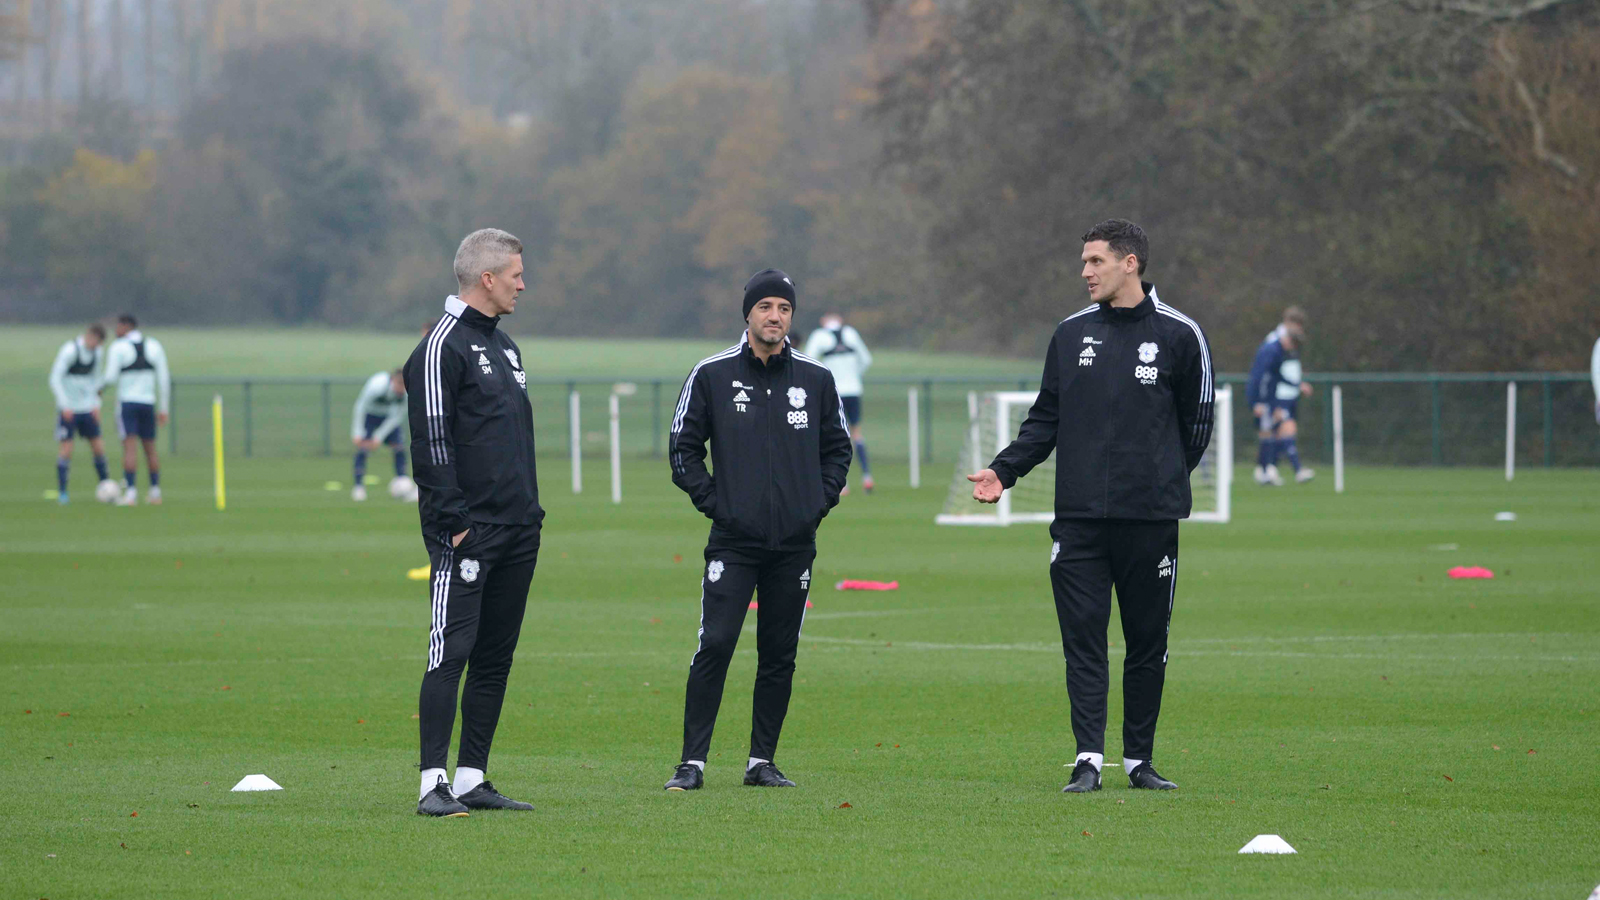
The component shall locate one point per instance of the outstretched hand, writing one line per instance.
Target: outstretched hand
(986, 486)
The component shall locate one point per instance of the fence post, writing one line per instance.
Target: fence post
(911, 435)
(247, 430)
(327, 414)
(1438, 437)
(1511, 429)
(1327, 440)
(576, 440)
(655, 418)
(1549, 424)
(927, 420)
(1336, 412)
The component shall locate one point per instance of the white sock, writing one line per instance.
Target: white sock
(1098, 760)
(755, 762)
(467, 778)
(1128, 765)
(698, 764)
(430, 780)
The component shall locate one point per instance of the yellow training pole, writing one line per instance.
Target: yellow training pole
(216, 441)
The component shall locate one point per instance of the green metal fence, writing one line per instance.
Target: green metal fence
(1390, 418)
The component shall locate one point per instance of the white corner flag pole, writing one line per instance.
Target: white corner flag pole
(912, 438)
(1338, 439)
(1511, 430)
(577, 444)
(216, 441)
(616, 449)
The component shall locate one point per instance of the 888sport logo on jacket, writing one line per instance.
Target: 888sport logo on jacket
(798, 417)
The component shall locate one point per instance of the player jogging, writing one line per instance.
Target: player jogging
(842, 350)
(472, 446)
(137, 365)
(1126, 404)
(379, 412)
(1275, 390)
(75, 382)
(780, 449)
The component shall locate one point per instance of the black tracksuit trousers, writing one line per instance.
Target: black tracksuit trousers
(479, 592)
(1139, 558)
(781, 580)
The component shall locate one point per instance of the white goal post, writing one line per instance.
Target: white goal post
(992, 422)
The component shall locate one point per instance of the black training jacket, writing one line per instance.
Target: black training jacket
(1126, 404)
(471, 426)
(780, 447)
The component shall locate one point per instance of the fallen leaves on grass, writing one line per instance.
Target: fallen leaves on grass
(123, 846)
(27, 712)
(1495, 746)
(1449, 779)
(1121, 802)
(133, 815)
(1531, 752)
(654, 621)
(361, 721)
(63, 715)
(418, 716)
(227, 687)
(194, 806)
(1087, 834)
(844, 805)
(677, 557)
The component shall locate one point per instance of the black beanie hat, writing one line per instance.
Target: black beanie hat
(767, 283)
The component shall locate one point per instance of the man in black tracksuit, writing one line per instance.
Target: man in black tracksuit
(781, 450)
(472, 442)
(1126, 404)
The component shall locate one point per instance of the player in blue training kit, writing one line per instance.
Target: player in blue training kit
(1275, 390)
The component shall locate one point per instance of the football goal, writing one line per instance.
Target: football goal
(992, 422)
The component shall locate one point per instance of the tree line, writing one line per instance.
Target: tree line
(1423, 177)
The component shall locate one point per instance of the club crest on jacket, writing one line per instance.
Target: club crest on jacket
(714, 570)
(797, 397)
(469, 570)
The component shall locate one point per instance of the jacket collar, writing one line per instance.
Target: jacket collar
(1133, 313)
(469, 316)
(778, 359)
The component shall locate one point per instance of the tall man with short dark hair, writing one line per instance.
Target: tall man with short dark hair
(780, 449)
(1126, 404)
(137, 365)
(472, 446)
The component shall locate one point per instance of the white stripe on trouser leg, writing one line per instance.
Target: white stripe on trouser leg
(700, 637)
(1172, 594)
(441, 607)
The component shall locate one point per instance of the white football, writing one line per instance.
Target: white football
(107, 491)
(403, 488)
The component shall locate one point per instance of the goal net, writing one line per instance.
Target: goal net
(993, 419)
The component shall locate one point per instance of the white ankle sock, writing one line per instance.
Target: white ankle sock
(1128, 765)
(1098, 760)
(430, 780)
(467, 778)
(755, 762)
(698, 764)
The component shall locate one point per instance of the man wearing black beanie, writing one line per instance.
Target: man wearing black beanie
(781, 451)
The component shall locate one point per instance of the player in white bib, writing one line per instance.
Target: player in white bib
(379, 413)
(842, 350)
(137, 365)
(75, 382)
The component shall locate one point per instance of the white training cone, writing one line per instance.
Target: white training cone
(1505, 517)
(263, 783)
(1267, 843)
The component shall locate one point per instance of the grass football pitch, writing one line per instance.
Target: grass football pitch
(1411, 736)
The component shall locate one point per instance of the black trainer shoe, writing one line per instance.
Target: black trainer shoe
(766, 775)
(1144, 776)
(686, 778)
(1085, 778)
(440, 802)
(484, 796)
